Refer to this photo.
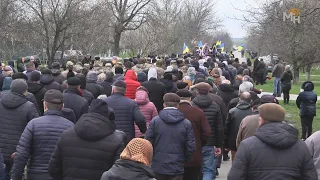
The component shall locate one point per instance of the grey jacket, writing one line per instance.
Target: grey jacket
(277, 71)
(313, 144)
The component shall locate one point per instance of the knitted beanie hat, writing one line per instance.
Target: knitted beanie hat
(139, 150)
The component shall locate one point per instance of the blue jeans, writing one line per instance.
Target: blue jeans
(208, 163)
(277, 87)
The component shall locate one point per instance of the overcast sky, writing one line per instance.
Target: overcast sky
(225, 9)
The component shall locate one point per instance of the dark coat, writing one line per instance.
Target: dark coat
(94, 88)
(128, 170)
(226, 74)
(48, 82)
(227, 93)
(57, 76)
(286, 80)
(201, 131)
(87, 95)
(30, 97)
(38, 91)
(307, 100)
(273, 153)
(73, 100)
(213, 114)
(235, 117)
(156, 91)
(217, 99)
(69, 114)
(261, 68)
(16, 111)
(106, 84)
(38, 142)
(170, 127)
(170, 87)
(127, 113)
(87, 150)
(2, 166)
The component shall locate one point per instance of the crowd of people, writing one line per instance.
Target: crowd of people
(152, 118)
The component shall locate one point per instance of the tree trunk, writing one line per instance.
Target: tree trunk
(116, 43)
(296, 71)
(308, 70)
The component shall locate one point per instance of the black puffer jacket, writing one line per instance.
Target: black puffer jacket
(227, 93)
(38, 91)
(106, 84)
(87, 95)
(94, 88)
(307, 100)
(128, 170)
(156, 91)
(273, 153)
(87, 150)
(213, 114)
(38, 142)
(235, 117)
(16, 111)
(48, 82)
(73, 100)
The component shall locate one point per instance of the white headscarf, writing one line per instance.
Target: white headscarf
(152, 73)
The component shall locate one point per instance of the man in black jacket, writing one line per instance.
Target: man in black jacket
(92, 85)
(73, 98)
(90, 148)
(126, 111)
(47, 80)
(39, 139)
(212, 149)
(37, 89)
(107, 83)
(86, 94)
(275, 152)
(16, 111)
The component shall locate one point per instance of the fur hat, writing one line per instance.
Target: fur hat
(271, 112)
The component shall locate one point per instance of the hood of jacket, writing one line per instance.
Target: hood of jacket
(56, 72)
(130, 75)
(142, 77)
(308, 86)
(202, 101)
(152, 73)
(171, 115)
(142, 97)
(6, 83)
(34, 87)
(131, 170)
(13, 100)
(167, 83)
(226, 88)
(94, 127)
(243, 105)
(278, 135)
(46, 79)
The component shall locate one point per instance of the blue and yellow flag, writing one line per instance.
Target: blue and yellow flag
(185, 49)
(222, 47)
(218, 43)
(200, 44)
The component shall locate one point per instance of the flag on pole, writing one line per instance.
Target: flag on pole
(218, 43)
(185, 49)
(200, 44)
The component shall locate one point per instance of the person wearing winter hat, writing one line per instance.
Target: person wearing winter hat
(56, 72)
(134, 162)
(37, 89)
(147, 108)
(170, 127)
(306, 102)
(47, 80)
(92, 85)
(94, 142)
(126, 110)
(274, 150)
(86, 94)
(47, 128)
(73, 97)
(14, 108)
(142, 77)
(201, 129)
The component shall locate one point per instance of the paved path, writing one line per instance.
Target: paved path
(293, 97)
(238, 55)
(224, 170)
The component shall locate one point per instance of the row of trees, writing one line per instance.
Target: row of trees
(151, 26)
(296, 44)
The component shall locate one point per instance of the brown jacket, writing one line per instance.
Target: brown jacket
(247, 128)
(201, 131)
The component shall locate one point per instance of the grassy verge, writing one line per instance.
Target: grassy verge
(293, 116)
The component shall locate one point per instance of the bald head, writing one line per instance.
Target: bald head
(245, 96)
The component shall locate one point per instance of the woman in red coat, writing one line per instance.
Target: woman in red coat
(132, 84)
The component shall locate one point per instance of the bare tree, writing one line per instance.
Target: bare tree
(128, 15)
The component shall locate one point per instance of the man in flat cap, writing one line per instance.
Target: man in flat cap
(171, 136)
(39, 139)
(73, 98)
(212, 150)
(274, 152)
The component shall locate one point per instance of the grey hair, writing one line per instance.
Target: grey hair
(119, 89)
(245, 87)
(287, 68)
